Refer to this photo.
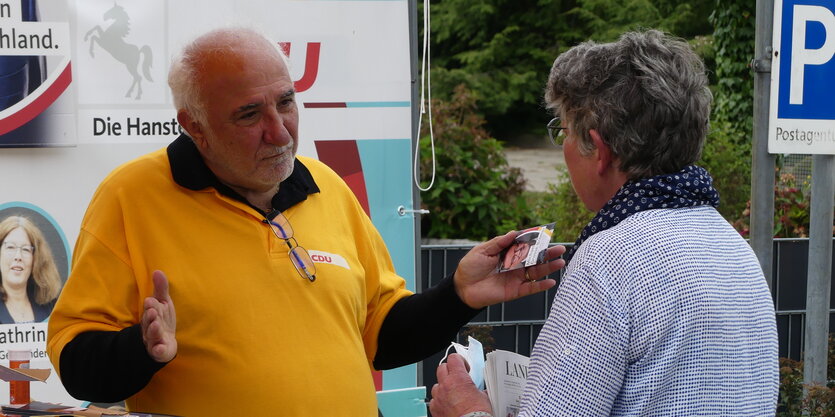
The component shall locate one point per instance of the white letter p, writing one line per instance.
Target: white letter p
(802, 56)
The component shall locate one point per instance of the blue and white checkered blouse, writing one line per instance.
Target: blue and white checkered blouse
(665, 314)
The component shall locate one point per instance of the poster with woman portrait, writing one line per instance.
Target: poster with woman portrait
(34, 264)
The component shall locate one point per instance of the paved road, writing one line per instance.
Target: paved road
(539, 165)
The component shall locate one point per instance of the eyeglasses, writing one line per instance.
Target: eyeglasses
(298, 255)
(556, 132)
(11, 248)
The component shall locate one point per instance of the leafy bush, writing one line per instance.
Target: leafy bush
(819, 400)
(561, 205)
(476, 194)
(791, 388)
(791, 209)
(730, 166)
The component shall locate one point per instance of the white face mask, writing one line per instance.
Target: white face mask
(474, 355)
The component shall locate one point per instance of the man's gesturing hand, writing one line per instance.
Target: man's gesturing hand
(159, 322)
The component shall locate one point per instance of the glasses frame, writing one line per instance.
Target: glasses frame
(14, 249)
(297, 253)
(556, 133)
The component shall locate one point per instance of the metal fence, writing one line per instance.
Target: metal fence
(515, 325)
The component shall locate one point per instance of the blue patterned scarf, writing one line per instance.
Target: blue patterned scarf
(692, 186)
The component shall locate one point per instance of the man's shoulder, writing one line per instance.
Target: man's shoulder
(314, 165)
(323, 174)
(143, 165)
(146, 171)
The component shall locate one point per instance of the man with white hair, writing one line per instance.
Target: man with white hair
(219, 224)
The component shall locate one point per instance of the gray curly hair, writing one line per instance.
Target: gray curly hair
(646, 94)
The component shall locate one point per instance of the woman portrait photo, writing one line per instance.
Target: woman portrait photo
(30, 280)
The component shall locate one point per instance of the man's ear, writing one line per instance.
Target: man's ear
(192, 127)
(605, 158)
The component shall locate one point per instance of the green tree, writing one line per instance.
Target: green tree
(502, 49)
(733, 39)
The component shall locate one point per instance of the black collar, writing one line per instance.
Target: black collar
(189, 171)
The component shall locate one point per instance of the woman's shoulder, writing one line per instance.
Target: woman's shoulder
(5, 317)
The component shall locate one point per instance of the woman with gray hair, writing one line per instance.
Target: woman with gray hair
(663, 309)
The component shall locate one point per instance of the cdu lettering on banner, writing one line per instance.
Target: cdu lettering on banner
(802, 111)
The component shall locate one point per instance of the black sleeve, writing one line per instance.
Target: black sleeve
(421, 324)
(108, 367)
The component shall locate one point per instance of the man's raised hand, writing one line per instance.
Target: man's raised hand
(159, 322)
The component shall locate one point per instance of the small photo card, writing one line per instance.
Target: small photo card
(528, 248)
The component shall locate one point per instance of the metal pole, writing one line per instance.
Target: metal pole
(820, 270)
(413, 58)
(762, 163)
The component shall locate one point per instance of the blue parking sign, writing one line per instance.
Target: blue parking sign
(803, 77)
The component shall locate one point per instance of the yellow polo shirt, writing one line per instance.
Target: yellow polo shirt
(254, 337)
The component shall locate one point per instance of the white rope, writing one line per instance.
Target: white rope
(425, 87)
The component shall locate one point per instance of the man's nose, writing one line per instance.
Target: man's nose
(275, 131)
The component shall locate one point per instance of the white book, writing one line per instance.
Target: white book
(504, 376)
